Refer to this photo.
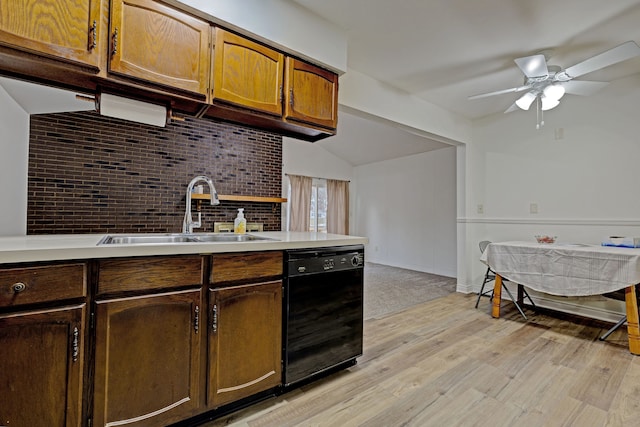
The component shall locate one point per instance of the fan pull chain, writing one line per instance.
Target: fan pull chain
(539, 114)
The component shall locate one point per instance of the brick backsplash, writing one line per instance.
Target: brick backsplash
(93, 174)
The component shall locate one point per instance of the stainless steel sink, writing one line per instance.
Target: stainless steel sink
(154, 239)
(228, 237)
(141, 239)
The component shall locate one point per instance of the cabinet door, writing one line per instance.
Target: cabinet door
(247, 74)
(159, 44)
(66, 30)
(147, 359)
(311, 94)
(41, 367)
(245, 349)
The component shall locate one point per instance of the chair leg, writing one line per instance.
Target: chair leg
(514, 301)
(484, 282)
(526, 295)
(480, 294)
(616, 326)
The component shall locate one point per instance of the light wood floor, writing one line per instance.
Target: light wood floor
(443, 363)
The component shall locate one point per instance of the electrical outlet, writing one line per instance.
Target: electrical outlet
(533, 208)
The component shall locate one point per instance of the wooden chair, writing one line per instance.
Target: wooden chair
(490, 276)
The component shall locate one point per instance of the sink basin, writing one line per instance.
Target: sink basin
(227, 237)
(154, 239)
(141, 239)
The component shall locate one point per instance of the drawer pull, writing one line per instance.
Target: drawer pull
(18, 287)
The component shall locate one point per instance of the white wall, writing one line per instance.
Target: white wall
(585, 184)
(407, 209)
(14, 152)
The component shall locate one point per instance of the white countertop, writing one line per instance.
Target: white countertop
(84, 246)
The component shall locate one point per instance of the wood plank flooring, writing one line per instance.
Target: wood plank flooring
(444, 363)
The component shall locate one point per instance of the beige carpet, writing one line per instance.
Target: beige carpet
(388, 290)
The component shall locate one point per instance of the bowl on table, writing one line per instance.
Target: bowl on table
(543, 238)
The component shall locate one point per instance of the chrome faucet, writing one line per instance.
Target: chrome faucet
(189, 224)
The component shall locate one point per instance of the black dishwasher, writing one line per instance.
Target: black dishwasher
(323, 310)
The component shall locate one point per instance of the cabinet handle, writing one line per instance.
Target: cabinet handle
(75, 346)
(115, 42)
(18, 287)
(281, 94)
(291, 97)
(93, 35)
(196, 322)
(214, 324)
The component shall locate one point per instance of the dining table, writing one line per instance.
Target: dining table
(568, 269)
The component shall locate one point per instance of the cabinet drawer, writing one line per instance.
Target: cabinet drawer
(147, 273)
(245, 266)
(29, 285)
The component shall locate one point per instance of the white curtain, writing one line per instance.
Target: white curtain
(337, 206)
(299, 203)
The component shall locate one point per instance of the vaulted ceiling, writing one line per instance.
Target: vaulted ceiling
(444, 51)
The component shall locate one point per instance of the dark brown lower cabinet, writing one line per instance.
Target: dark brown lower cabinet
(41, 367)
(147, 359)
(245, 335)
(156, 351)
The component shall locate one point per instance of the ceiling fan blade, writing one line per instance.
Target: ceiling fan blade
(612, 56)
(501, 92)
(583, 88)
(514, 107)
(533, 66)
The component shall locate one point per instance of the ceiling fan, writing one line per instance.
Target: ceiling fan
(546, 84)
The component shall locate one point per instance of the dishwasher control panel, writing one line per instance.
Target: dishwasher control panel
(310, 262)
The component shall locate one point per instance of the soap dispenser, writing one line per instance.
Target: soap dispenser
(240, 224)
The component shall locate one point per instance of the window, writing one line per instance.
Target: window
(318, 207)
(318, 216)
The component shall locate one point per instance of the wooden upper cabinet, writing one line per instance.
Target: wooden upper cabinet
(66, 30)
(246, 73)
(153, 42)
(311, 94)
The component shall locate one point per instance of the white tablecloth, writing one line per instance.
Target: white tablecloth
(569, 270)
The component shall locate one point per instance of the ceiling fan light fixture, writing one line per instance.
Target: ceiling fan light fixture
(554, 91)
(548, 103)
(525, 101)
